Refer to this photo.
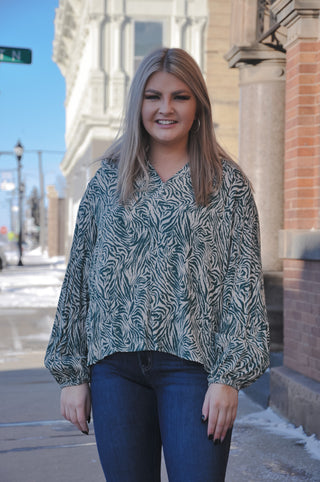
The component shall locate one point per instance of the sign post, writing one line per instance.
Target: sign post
(15, 55)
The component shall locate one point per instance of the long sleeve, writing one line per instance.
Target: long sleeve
(66, 355)
(242, 334)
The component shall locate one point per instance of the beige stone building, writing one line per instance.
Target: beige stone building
(222, 82)
(97, 47)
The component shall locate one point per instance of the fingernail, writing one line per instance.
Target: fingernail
(85, 432)
(203, 418)
(217, 441)
(210, 437)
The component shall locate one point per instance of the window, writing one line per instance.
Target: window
(147, 37)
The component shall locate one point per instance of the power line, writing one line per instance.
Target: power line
(45, 151)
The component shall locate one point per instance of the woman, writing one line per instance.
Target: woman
(161, 318)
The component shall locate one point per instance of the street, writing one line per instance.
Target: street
(38, 445)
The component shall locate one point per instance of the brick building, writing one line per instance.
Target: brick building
(295, 387)
(275, 46)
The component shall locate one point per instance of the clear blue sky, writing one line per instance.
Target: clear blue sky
(31, 96)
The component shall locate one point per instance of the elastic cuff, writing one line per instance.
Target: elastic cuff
(224, 381)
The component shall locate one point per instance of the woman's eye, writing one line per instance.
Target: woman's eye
(182, 97)
(151, 97)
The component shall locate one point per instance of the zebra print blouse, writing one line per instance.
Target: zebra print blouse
(164, 274)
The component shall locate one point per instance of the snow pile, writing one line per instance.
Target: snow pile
(36, 284)
(270, 421)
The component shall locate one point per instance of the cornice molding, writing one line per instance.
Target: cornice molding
(71, 31)
(251, 55)
(300, 17)
(287, 10)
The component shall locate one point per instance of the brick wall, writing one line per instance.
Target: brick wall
(302, 206)
(302, 161)
(302, 315)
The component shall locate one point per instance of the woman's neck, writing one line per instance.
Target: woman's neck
(168, 162)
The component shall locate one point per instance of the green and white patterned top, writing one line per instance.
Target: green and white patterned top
(164, 274)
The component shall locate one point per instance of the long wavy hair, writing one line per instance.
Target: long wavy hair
(130, 148)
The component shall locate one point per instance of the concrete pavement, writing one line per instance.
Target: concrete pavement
(36, 445)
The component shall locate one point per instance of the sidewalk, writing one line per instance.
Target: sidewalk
(37, 445)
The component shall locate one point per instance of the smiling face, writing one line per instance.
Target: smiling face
(168, 110)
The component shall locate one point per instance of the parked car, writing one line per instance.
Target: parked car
(3, 258)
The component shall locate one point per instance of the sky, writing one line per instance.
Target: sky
(31, 97)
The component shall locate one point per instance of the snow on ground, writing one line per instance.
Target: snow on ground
(36, 284)
(274, 423)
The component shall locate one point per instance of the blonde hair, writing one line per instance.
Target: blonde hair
(130, 149)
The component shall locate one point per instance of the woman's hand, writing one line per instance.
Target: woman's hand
(75, 405)
(219, 410)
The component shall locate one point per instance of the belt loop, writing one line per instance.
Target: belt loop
(145, 360)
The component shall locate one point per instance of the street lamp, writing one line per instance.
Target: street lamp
(18, 150)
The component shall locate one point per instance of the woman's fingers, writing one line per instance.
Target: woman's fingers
(220, 409)
(75, 405)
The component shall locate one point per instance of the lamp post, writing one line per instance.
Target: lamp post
(18, 150)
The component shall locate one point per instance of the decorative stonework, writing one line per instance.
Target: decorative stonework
(301, 18)
(252, 54)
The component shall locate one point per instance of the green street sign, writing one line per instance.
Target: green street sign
(15, 55)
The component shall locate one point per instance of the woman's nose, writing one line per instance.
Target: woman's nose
(166, 106)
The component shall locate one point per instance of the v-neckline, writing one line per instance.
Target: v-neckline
(175, 175)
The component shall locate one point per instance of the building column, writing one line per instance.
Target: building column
(261, 147)
(196, 37)
(261, 155)
(97, 79)
(178, 28)
(117, 84)
(295, 386)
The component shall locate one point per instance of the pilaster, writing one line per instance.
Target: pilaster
(117, 83)
(179, 24)
(196, 38)
(261, 146)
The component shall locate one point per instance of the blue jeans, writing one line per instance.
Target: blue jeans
(144, 400)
